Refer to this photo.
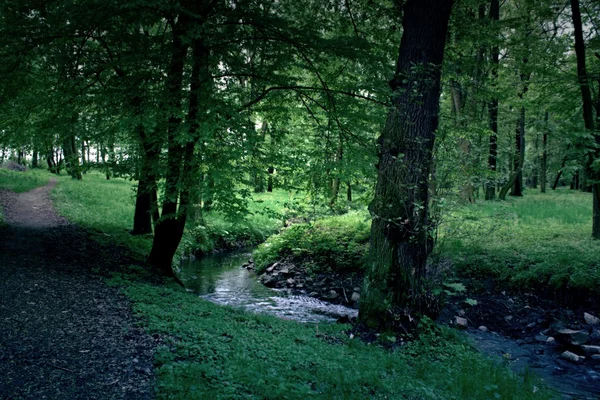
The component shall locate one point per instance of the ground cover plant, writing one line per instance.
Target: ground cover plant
(539, 242)
(217, 352)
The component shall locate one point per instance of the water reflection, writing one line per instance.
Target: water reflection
(221, 279)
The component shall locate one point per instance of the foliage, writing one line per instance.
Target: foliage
(328, 244)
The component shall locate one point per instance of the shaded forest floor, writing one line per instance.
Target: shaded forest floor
(63, 332)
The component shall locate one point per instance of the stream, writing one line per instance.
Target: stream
(221, 279)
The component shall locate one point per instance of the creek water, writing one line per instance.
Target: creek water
(221, 279)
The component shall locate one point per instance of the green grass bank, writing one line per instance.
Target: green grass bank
(540, 242)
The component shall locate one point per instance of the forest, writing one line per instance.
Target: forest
(282, 198)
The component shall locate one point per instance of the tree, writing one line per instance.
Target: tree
(401, 227)
(592, 169)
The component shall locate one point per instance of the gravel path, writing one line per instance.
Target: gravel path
(64, 334)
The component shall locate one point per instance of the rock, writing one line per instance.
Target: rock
(355, 297)
(508, 318)
(483, 328)
(290, 281)
(550, 340)
(314, 294)
(271, 268)
(300, 285)
(572, 357)
(356, 289)
(461, 322)
(589, 350)
(269, 281)
(591, 319)
(332, 294)
(596, 357)
(572, 337)
(531, 325)
(541, 338)
(462, 313)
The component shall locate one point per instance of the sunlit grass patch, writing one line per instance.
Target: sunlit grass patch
(25, 181)
(539, 241)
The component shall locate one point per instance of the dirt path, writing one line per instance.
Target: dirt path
(64, 334)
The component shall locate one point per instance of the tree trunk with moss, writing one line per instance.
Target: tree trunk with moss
(401, 229)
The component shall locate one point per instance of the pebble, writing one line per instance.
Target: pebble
(587, 349)
(572, 357)
(591, 319)
(483, 328)
(461, 322)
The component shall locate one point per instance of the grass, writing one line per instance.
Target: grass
(540, 241)
(215, 352)
(328, 244)
(104, 207)
(20, 182)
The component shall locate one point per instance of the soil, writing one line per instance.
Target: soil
(64, 334)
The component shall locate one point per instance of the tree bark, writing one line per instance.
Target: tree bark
(349, 192)
(544, 161)
(588, 116)
(167, 233)
(517, 187)
(401, 236)
(490, 190)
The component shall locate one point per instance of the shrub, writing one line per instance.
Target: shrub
(329, 244)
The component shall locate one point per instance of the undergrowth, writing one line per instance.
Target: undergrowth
(328, 244)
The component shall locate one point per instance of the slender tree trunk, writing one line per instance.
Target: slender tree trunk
(517, 187)
(270, 171)
(34, 159)
(349, 192)
(167, 233)
(335, 185)
(401, 236)
(71, 157)
(544, 160)
(490, 190)
(588, 115)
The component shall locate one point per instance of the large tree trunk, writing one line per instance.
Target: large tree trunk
(401, 229)
(490, 190)
(588, 115)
